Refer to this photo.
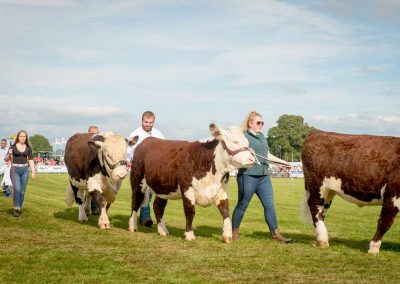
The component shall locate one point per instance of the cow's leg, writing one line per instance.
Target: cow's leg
(137, 183)
(79, 197)
(388, 213)
(319, 202)
(88, 198)
(223, 206)
(189, 201)
(159, 207)
(104, 222)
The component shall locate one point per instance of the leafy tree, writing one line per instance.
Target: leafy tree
(39, 144)
(285, 139)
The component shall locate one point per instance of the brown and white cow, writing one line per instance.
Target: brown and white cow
(362, 169)
(96, 165)
(196, 172)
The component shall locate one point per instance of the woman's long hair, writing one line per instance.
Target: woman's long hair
(27, 142)
(250, 117)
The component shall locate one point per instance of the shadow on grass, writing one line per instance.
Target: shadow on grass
(360, 245)
(121, 222)
(71, 214)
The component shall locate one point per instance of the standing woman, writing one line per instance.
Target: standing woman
(256, 180)
(20, 154)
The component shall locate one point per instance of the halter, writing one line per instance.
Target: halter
(232, 153)
(120, 163)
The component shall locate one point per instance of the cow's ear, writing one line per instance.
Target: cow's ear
(132, 140)
(216, 131)
(96, 141)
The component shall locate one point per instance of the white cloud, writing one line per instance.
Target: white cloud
(361, 123)
(42, 3)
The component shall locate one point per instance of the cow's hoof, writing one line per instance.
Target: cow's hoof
(162, 230)
(320, 244)
(163, 233)
(227, 239)
(104, 226)
(132, 229)
(373, 251)
(190, 236)
(83, 220)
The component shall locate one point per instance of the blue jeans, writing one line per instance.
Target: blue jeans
(20, 180)
(145, 211)
(262, 186)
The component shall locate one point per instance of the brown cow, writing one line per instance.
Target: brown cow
(196, 172)
(362, 169)
(96, 165)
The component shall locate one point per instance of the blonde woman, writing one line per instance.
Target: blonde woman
(20, 154)
(256, 180)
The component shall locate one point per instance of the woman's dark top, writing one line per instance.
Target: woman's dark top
(259, 144)
(21, 157)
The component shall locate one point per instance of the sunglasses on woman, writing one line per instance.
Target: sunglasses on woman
(260, 123)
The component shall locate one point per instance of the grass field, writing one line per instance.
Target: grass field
(48, 245)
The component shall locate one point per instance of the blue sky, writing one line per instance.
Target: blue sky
(65, 65)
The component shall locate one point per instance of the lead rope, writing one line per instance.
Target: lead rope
(273, 162)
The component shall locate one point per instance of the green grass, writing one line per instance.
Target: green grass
(47, 244)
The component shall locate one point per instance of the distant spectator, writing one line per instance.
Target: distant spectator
(3, 153)
(93, 129)
(6, 183)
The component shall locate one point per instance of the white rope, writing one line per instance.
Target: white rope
(273, 162)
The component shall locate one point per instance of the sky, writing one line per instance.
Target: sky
(68, 64)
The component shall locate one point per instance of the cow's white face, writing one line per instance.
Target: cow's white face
(235, 140)
(112, 154)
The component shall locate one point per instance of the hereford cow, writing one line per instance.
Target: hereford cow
(96, 165)
(196, 172)
(362, 169)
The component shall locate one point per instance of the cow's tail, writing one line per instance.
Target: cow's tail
(70, 197)
(305, 209)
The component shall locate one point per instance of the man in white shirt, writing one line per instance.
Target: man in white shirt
(144, 131)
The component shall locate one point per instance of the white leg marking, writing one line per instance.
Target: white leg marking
(104, 223)
(374, 247)
(190, 236)
(162, 229)
(322, 234)
(227, 231)
(133, 227)
(396, 202)
(82, 214)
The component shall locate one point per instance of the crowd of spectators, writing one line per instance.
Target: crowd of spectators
(48, 161)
